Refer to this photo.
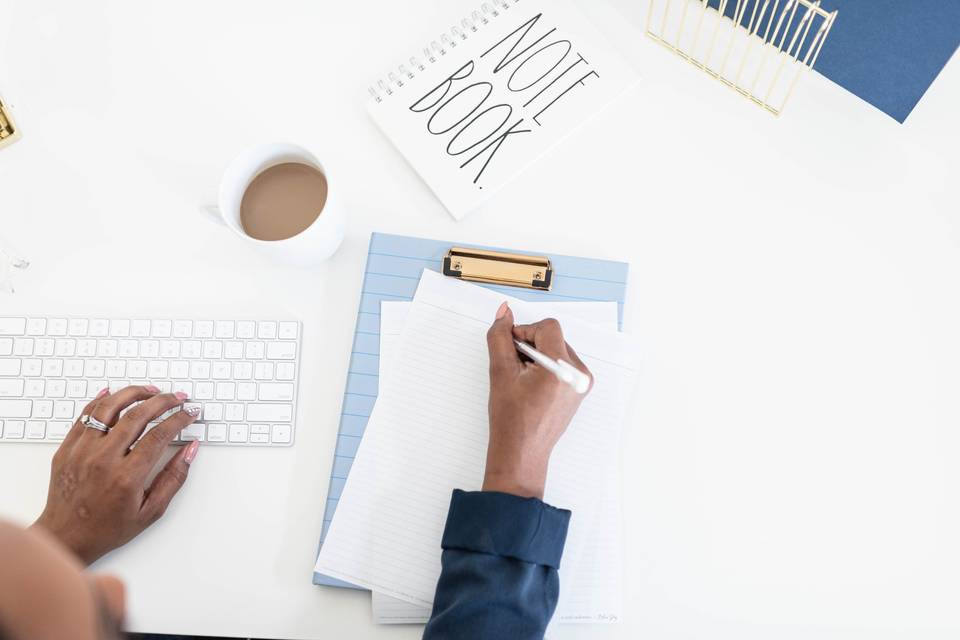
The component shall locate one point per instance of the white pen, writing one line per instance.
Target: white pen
(564, 371)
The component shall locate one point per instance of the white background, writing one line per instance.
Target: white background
(791, 468)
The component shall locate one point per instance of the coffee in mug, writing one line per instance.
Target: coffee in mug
(277, 198)
(282, 201)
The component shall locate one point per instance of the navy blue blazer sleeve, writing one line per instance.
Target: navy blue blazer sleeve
(499, 568)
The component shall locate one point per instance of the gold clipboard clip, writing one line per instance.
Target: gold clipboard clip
(497, 267)
(9, 132)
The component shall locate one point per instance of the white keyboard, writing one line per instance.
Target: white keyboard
(242, 373)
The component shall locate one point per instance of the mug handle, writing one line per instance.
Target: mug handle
(213, 213)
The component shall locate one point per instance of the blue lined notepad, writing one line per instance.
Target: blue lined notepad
(394, 265)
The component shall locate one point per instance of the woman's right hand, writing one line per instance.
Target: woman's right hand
(529, 407)
(98, 498)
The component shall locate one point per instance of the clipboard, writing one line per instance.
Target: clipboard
(394, 266)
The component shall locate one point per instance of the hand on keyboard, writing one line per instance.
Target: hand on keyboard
(98, 498)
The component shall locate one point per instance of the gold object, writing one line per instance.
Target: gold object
(759, 52)
(496, 267)
(9, 132)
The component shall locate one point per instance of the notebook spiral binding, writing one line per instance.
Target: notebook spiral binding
(486, 13)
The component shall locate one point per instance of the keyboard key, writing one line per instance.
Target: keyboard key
(13, 326)
(254, 350)
(11, 389)
(169, 348)
(58, 430)
(224, 329)
(192, 432)
(56, 388)
(73, 368)
(179, 369)
(13, 429)
(33, 388)
(217, 432)
(106, 348)
(233, 412)
(9, 366)
(203, 329)
(270, 412)
(281, 433)
(242, 370)
(94, 368)
(281, 350)
(23, 346)
(65, 347)
(116, 368)
(263, 371)
(246, 329)
(238, 433)
(212, 411)
(42, 409)
(63, 409)
(150, 349)
(203, 391)
(157, 369)
(137, 369)
(52, 368)
(120, 328)
(212, 350)
(86, 348)
(285, 371)
(42, 347)
(182, 386)
(182, 328)
(233, 350)
(57, 327)
(226, 390)
(199, 369)
(99, 327)
(36, 326)
(77, 389)
(161, 328)
(6, 346)
(247, 391)
(220, 371)
(127, 348)
(259, 428)
(287, 331)
(190, 349)
(140, 328)
(78, 326)
(273, 391)
(36, 429)
(31, 367)
(259, 438)
(267, 330)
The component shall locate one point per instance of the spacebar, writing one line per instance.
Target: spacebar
(269, 412)
(15, 408)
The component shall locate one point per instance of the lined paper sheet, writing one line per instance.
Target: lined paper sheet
(394, 264)
(432, 417)
(393, 316)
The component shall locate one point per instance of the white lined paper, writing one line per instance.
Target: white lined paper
(431, 417)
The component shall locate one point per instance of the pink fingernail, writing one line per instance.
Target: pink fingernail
(102, 392)
(180, 395)
(191, 451)
(152, 389)
(193, 412)
(502, 311)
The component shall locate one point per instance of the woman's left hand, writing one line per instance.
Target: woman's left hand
(98, 498)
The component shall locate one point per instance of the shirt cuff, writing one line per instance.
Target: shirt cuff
(501, 524)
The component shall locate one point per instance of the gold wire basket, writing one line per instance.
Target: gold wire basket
(759, 48)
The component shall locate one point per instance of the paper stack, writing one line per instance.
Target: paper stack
(428, 433)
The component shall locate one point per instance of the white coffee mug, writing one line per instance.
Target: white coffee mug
(315, 243)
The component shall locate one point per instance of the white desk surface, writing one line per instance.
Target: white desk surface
(792, 467)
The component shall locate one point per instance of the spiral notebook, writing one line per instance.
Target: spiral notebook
(491, 95)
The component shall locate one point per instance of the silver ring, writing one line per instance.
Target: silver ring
(93, 423)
